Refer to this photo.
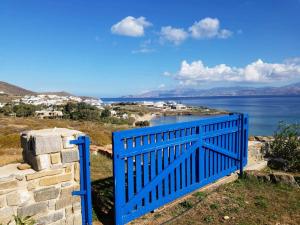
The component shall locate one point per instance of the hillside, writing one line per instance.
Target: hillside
(10, 89)
(292, 89)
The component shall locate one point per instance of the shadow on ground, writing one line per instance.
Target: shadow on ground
(103, 204)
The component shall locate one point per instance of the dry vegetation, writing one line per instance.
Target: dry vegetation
(245, 202)
(10, 128)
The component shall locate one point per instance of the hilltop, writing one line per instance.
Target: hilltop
(13, 90)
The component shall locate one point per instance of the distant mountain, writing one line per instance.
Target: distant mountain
(10, 89)
(292, 89)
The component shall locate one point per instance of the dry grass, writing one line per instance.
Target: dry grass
(10, 129)
(245, 202)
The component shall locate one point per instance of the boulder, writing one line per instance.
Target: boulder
(283, 178)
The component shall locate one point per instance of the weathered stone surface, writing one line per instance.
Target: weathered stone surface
(68, 211)
(77, 219)
(43, 162)
(13, 199)
(46, 144)
(33, 209)
(66, 141)
(46, 194)
(283, 178)
(55, 158)
(24, 166)
(8, 184)
(76, 171)
(69, 156)
(47, 181)
(59, 222)
(5, 215)
(66, 192)
(43, 174)
(76, 206)
(50, 218)
(69, 168)
(63, 203)
(2, 201)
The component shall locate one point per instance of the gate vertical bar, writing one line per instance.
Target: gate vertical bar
(119, 179)
(83, 143)
(241, 143)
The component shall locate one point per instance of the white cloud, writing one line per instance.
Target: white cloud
(161, 86)
(258, 71)
(131, 26)
(208, 28)
(174, 35)
(145, 47)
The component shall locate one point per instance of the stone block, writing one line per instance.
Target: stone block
(33, 209)
(44, 144)
(24, 166)
(46, 194)
(76, 207)
(6, 215)
(50, 218)
(42, 162)
(43, 174)
(13, 199)
(2, 201)
(77, 219)
(69, 156)
(63, 203)
(66, 192)
(8, 184)
(66, 142)
(68, 211)
(76, 172)
(47, 181)
(55, 158)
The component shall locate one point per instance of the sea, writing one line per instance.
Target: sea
(265, 112)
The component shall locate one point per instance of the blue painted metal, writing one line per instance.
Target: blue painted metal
(83, 143)
(156, 165)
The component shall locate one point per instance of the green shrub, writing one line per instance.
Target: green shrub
(142, 123)
(286, 145)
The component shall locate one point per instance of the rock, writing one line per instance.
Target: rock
(63, 203)
(50, 218)
(42, 162)
(24, 166)
(226, 217)
(46, 144)
(2, 201)
(43, 174)
(33, 209)
(278, 164)
(6, 215)
(13, 199)
(55, 158)
(47, 181)
(46, 194)
(283, 178)
(66, 142)
(70, 156)
(76, 172)
(8, 183)
(251, 138)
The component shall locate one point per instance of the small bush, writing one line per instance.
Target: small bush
(142, 123)
(286, 145)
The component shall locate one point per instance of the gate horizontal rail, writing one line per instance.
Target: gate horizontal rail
(156, 165)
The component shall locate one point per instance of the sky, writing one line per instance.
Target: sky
(112, 48)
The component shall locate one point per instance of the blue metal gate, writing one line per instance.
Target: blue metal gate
(156, 165)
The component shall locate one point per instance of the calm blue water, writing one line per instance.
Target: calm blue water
(264, 112)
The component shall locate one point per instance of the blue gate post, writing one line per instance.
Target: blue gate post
(83, 143)
(242, 143)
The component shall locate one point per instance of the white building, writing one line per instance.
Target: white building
(43, 114)
(159, 104)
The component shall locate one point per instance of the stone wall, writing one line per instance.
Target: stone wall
(42, 186)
